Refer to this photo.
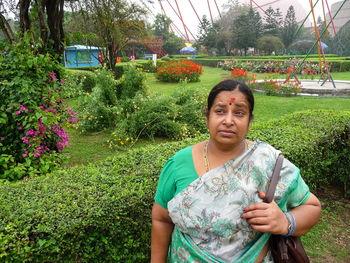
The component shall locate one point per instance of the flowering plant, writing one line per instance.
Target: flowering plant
(31, 112)
(174, 71)
(267, 66)
(272, 87)
(239, 74)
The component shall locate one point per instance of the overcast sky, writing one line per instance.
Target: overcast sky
(201, 7)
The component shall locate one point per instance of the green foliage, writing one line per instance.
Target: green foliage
(272, 87)
(125, 59)
(316, 141)
(147, 66)
(270, 43)
(31, 112)
(99, 110)
(175, 117)
(102, 212)
(78, 82)
(118, 71)
(132, 82)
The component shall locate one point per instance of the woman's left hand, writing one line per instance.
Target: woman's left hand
(266, 217)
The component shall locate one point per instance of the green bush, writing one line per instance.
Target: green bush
(102, 212)
(132, 82)
(119, 71)
(78, 82)
(175, 117)
(99, 110)
(316, 141)
(32, 112)
(345, 66)
(147, 66)
(125, 59)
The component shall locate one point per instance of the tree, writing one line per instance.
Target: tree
(246, 29)
(290, 27)
(207, 33)
(161, 26)
(5, 27)
(113, 23)
(46, 17)
(271, 26)
(340, 43)
(270, 43)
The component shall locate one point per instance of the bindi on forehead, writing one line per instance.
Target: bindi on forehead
(232, 100)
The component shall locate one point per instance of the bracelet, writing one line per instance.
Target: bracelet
(291, 222)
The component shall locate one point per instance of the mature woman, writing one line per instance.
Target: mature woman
(209, 201)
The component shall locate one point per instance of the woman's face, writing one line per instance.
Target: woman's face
(228, 120)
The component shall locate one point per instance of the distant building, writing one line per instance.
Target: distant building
(342, 17)
(81, 56)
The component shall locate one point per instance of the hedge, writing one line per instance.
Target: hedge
(335, 65)
(102, 212)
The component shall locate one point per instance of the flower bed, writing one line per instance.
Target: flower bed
(270, 87)
(179, 70)
(274, 87)
(309, 68)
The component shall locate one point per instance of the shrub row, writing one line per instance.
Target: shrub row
(102, 212)
(335, 65)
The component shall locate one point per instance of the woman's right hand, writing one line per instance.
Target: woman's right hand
(266, 217)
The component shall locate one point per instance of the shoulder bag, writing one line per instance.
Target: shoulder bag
(284, 249)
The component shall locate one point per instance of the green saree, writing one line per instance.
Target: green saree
(206, 214)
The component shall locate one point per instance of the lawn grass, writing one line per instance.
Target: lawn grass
(329, 240)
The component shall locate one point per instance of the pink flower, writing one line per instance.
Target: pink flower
(10, 107)
(53, 75)
(2, 138)
(24, 155)
(18, 112)
(20, 128)
(62, 81)
(21, 107)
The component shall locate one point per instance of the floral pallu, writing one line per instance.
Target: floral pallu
(207, 213)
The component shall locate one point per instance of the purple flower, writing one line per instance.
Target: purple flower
(18, 112)
(25, 140)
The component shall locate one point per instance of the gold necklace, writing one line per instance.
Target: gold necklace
(206, 161)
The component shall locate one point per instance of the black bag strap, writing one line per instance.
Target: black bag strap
(274, 179)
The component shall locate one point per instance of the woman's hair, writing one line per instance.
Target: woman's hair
(231, 85)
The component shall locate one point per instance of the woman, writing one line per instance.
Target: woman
(209, 201)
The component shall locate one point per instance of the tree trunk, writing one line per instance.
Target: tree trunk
(4, 29)
(24, 15)
(43, 27)
(54, 11)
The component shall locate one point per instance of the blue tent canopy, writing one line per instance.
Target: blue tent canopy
(188, 50)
